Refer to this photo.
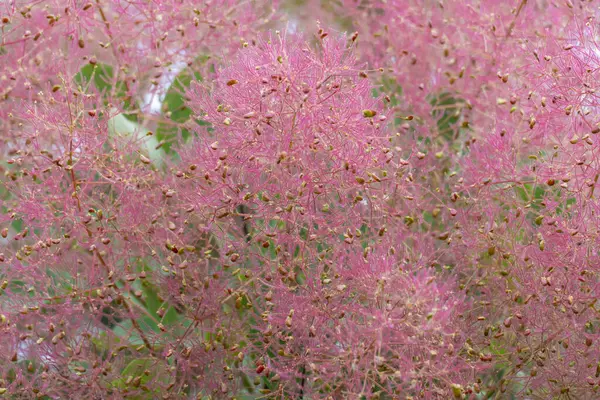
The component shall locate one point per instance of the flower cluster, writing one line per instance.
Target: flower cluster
(226, 199)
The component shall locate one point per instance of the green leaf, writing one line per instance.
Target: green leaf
(145, 370)
(137, 367)
(121, 125)
(448, 116)
(17, 225)
(103, 78)
(101, 75)
(152, 303)
(174, 105)
(539, 193)
(125, 331)
(521, 193)
(390, 87)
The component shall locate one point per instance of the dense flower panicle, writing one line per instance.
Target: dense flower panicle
(297, 140)
(547, 193)
(395, 334)
(521, 113)
(195, 206)
(288, 120)
(85, 311)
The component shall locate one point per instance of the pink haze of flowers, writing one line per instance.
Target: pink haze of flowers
(229, 199)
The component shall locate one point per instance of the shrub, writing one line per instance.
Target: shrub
(229, 200)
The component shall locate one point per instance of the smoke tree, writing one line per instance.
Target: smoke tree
(373, 200)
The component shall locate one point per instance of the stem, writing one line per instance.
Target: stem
(512, 24)
(303, 371)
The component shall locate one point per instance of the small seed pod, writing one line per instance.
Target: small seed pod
(369, 113)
